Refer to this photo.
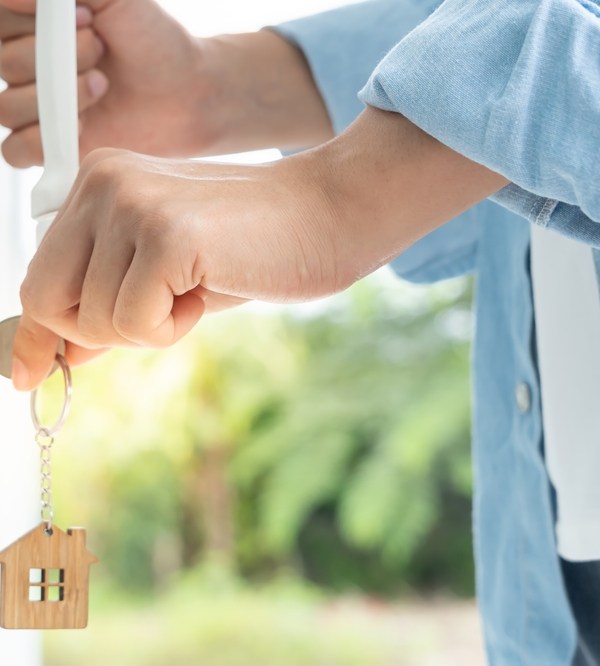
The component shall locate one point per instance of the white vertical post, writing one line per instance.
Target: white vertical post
(56, 69)
(19, 458)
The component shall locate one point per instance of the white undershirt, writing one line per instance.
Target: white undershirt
(567, 308)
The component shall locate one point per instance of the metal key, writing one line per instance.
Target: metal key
(8, 328)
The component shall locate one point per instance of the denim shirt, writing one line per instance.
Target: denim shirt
(489, 79)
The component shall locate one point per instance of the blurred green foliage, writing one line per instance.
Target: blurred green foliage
(332, 441)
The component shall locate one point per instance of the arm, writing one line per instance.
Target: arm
(144, 246)
(145, 84)
(514, 86)
(247, 91)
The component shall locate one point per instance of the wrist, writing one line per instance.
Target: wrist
(258, 93)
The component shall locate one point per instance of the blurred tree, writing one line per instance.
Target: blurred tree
(373, 441)
(236, 373)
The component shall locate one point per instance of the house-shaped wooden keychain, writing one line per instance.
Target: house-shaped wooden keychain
(45, 580)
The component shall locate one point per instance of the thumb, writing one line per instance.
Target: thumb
(34, 351)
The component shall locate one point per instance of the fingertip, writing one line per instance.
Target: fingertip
(23, 148)
(21, 377)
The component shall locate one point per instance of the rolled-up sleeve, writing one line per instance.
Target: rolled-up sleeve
(343, 46)
(515, 86)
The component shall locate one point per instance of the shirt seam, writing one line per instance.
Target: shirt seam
(540, 215)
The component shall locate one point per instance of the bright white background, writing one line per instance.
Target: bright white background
(206, 19)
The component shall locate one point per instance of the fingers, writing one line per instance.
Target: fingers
(17, 57)
(17, 18)
(24, 148)
(147, 312)
(18, 106)
(34, 351)
(53, 302)
(15, 25)
(18, 111)
(24, 6)
(107, 268)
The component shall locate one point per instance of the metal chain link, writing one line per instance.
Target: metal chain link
(44, 438)
(45, 441)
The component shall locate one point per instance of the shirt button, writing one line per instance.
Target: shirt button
(523, 397)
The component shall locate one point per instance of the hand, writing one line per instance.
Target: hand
(138, 83)
(146, 85)
(144, 246)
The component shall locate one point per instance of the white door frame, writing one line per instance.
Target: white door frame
(19, 459)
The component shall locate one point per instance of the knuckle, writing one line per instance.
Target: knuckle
(9, 154)
(126, 325)
(89, 50)
(153, 234)
(102, 172)
(98, 156)
(5, 116)
(8, 116)
(90, 328)
(155, 231)
(10, 64)
(32, 301)
(23, 149)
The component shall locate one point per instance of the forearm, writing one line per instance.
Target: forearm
(390, 184)
(263, 95)
(298, 85)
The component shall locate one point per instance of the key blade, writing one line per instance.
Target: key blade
(8, 329)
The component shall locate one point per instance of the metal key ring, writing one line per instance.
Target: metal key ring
(52, 430)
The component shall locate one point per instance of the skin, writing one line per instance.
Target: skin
(144, 246)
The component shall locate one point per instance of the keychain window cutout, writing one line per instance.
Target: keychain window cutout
(46, 585)
(36, 576)
(36, 593)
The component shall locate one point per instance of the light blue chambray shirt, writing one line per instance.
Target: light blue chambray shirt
(514, 85)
